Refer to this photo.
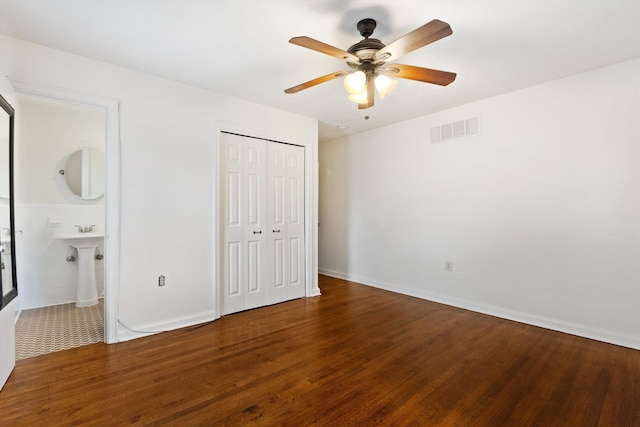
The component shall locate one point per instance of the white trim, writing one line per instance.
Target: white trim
(112, 189)
(126, 332)
(337, 275)
(218, 276)
(8, 345)
(597, 334)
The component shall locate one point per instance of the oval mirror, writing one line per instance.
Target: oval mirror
(84, 173)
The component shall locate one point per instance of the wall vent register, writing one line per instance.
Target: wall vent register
(458, 129)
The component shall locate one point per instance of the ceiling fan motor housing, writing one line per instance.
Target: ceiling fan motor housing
(367, 48)
(366, 26)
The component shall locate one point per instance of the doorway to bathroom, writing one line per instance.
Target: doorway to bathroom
(101, 212)
(60, 173)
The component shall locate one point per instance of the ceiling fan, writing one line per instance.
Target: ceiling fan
(368, 60)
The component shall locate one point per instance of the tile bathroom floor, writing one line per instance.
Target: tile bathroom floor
(58, 327)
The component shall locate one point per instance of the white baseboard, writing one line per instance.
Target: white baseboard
(126, 332)
(597, 334)
(335, 274)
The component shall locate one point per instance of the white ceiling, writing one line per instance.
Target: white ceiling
(240, 47)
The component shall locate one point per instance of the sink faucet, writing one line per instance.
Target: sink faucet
(85, 229)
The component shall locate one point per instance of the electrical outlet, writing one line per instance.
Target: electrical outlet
(448, 266)
(161, 280)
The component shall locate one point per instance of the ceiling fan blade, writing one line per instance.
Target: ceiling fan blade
(426, 75)
(318, 46)
(315, 82)
(428, 33)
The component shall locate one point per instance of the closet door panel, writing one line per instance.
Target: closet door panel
(245, 257)
(295, 222)
(232, 295)
(276, 193)
(234, 269)
(255, 169)
(278, 263)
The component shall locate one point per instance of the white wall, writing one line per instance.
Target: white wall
(49, 132)
(540, 213)
(168, 134)
(45, 277)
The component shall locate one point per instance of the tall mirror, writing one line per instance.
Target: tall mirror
(8, 282)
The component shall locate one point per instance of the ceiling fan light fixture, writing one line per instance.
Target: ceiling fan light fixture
(355, 82)
(384, 85)
(368, 61)
(359, 98)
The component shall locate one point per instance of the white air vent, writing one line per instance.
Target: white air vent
(446, 132)
(472, 126)
(454, 130)
(458, 129)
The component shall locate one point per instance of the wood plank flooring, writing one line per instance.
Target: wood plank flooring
(355, 356)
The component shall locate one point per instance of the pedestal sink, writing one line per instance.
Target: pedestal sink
(86, 244)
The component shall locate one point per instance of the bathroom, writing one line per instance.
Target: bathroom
(48, 133)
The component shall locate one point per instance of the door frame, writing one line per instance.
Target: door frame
(310, 206)
(112, 189)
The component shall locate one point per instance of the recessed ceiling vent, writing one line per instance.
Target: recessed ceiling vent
(459, 129)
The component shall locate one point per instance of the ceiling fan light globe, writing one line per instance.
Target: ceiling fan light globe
(384, 85)
(355, 82)
(359, 98)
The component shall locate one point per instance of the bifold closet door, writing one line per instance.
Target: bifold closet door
(245, 219)
(263, 214)
(285, 200)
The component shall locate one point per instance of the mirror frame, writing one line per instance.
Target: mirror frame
(13, 293)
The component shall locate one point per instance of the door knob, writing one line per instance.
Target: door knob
(257, 232)
(276, 231)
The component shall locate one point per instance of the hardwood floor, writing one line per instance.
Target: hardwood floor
(355, 356)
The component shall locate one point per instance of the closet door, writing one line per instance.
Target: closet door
(285, 197)
(245, 220)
